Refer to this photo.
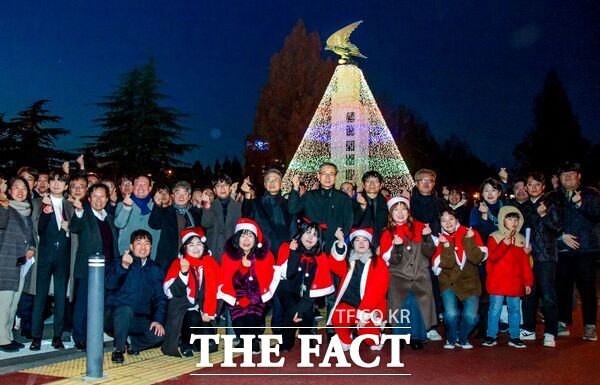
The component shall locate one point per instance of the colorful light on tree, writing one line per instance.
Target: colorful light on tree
(348, 130)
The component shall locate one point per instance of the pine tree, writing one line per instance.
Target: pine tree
(36, 143)
(298, 77)
(556, 136)
(138, 133)
(416, 143)
(460, 166)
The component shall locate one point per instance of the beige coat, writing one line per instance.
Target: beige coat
(409, 270)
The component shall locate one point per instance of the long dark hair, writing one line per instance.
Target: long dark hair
(232, 247)
(304, 228)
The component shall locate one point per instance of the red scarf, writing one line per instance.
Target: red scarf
(200, 268)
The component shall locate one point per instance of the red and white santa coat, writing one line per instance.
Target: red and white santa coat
(374, 284)
(266, 271)
(208, 272)
(322, 284)
(386, 243)
(456, 238)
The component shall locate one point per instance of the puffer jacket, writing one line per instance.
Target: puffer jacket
(582, 222)
(546, 230)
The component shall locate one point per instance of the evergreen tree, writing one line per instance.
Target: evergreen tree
(36, 143)
(460, 166)
(416, 143)
(298, 76)
(138, 133)
(556, 136)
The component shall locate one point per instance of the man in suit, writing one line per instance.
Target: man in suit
(270, 210)
(52, 214)
(219, 220)
(171, 215)
(97, 235)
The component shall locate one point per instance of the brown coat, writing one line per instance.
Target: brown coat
(464, 282)
(409, 270)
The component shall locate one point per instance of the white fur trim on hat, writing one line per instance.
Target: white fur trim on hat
(395, 200)
(192, 234)
(362, 232)
(246, 226)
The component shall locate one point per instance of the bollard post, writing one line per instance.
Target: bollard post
(95, 317)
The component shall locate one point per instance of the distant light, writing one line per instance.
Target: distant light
(215, 133)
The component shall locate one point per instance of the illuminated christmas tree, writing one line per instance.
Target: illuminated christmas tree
(348, 130)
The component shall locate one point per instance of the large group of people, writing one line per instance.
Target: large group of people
(365, 261)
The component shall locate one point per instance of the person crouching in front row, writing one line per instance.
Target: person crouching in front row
(191, 286)
(250, 278)
(135, 302)
(361, 298)
(305, 276)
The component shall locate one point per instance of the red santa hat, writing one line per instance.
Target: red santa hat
(250, 225)
(394, 200)
(365, 232)
(193, 232)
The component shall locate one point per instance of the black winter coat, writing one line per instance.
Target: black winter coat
(544, 231)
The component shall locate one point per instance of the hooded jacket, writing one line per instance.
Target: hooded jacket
(508, 266)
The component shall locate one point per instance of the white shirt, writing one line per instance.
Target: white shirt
(57, 206)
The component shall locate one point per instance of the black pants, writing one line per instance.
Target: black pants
(80, 311)
(121, 322)
(45, 271)
(289, 303)
(25, 310)
(544, 287)
(576, 269)
(193, 318)
(252, 324)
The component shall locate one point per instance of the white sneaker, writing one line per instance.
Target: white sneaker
(562, 329)
(526, 335)
(549, 340)
(589, 333)
(433, 335)
(376, 347)
(448, 345)
(465, 346)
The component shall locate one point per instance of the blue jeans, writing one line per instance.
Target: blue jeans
(415, 319)
(514, 315)
(459, 324)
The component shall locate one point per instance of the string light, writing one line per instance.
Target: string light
(348, 130)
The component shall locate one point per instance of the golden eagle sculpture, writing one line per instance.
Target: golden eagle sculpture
(339, 43)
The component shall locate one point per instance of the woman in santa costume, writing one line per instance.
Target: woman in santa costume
(191, 286)
(407, 246)
(361, 298)
(457, 257)
(250, 278)
(305, 276)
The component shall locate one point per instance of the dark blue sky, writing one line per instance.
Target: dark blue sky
(466, 67)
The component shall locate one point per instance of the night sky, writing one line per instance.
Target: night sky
(466, 67)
